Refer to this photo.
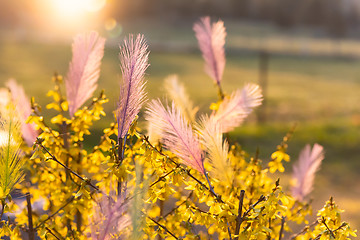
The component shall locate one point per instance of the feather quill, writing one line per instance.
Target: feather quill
(212, 138)
(11, 162)
(23, 108)
(234, 109)
(84, 69)
(211, 39)
(176, 134)
(133, 62)
(178, 94)
(305, 169)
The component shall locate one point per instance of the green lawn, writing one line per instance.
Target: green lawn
(321, 95)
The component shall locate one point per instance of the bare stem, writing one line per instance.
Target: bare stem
(72, 198)
(218, 198)
(120, 152)
(220, 91)
(304, 230)
(210, 186)
(239, 218)
(262, 198)
(331, 232)
(53, 234)
(30, 218)
(88, 182)
(282, 227)
(161, 178)
(2, 209)
(163, 227)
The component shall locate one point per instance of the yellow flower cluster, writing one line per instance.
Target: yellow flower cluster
(164, 199)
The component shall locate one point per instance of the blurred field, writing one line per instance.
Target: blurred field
(319, 93)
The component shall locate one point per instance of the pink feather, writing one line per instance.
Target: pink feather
(211, 39)
(134, 61)
(84, 69)
(176, 134)
(234, 109)
(23, 107)
(110, 217)
(305, 169)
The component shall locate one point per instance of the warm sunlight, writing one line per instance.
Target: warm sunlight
(70, 16)
(72, 8)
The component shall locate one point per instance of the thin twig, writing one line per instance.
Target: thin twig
(210, 186)
(262, 198)
(229, 232)
(239, 218)
(303, 230)
(88, 181)
(72, 198)
(331, 232)
(30, 218)
(282, 227)
(217, 197)
(220, 91)
(48, 229)
(161, 178)
(163, 227)
(2, 209)
(182, 203)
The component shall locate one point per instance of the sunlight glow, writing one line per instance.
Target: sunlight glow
(67, 17)
(71, 8)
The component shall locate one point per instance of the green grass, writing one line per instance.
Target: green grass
(321, 95)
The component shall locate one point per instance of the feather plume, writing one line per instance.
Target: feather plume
(23, 108)
(178, 94)
(4, 97)
(234, 109)
(133, 62)
(211, 39)
(11, 162)
(305, 169)
(212, 138)
(110, 217)
(84, 69)
(176, 134)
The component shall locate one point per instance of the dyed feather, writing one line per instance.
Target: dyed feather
(211, 39)
(11, 162)
(4, 97)
(234, 109)
(212, 138)
(305, 169)
(134, 61)
(23, 108)
(84, 69)
(110, 217)
(176, 134)
(178, 94)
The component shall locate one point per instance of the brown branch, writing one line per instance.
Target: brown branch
(282, 227)
(217, 197)
(262, 198)
(87, 181)
(72, 198)
(182, 203)
(331, 232)
(303, 230)
(239, 218)
(30, 218)
(2, 209)
(161, 178)
(163, 227)
(48, 229)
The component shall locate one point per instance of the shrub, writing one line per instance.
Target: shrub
(181, 180)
